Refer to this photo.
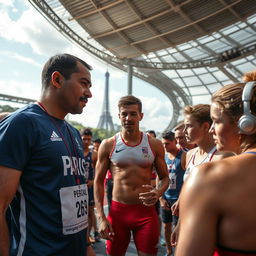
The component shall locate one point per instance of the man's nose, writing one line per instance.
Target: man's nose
(88, 93)
(128, 117)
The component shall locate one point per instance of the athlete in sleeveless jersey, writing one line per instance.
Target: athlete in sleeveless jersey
(191, 163)
(52, 191)
(139, 219)
(130, 156)
(171, 195)
(175, 161)
(176, 173)
(123, 154)
(224, 225)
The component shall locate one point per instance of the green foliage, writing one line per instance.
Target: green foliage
(77, 125)
(101, 133)
(97, 133)
(7, 108)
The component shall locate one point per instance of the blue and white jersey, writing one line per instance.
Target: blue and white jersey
(49, 211)
(89, 167)
(175, 175)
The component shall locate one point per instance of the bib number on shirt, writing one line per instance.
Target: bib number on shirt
(74, 208)
(172, 177)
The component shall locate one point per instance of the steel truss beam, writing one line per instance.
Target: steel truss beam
(158, 79)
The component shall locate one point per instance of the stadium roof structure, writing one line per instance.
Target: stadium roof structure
(186, 48)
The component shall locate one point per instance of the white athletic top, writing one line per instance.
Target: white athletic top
(192, 165)
(123, 154)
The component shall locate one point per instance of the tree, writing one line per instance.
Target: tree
(97, 133)
(7, 108)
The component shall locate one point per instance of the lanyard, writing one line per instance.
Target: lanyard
(73, 165)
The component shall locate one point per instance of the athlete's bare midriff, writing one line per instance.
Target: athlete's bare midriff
(128, 183)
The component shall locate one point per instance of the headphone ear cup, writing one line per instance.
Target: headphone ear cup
(247, 124)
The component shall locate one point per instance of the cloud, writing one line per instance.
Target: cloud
(22, 89)
(92, 111)
(32, 29)
(156, 113)
(153, 107)
(19, 57)
(6, 3)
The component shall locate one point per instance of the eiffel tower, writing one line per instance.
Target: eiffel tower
(105, 121)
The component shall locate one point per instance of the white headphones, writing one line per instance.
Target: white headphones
(247, 122)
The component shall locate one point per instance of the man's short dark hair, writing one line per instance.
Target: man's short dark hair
(168, 135)
(129, 100)
(151, 132)
(98, 140)
(86, 131)
(64, 63)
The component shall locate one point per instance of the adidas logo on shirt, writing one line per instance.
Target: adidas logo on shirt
(55, 137)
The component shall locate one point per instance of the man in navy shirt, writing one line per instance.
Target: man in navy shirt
(42, 167)
(175, 160)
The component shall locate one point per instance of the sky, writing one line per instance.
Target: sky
(27, 41)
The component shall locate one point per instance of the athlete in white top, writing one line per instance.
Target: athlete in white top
(191, 162)
(221, 220)
(130, 156)
(197, 121)
(123, 154)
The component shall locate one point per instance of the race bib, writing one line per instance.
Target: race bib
(172, 177)
(74, 208)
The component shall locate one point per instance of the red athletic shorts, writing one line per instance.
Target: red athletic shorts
(139, 219)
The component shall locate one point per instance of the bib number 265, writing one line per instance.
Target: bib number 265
(81, 207)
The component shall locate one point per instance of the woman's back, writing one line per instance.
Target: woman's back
(218, 205)
(237, 202)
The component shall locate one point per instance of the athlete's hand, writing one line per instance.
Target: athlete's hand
(175, 208)
(164, 204)
(174, 236)
(150, 197)
(105, 229)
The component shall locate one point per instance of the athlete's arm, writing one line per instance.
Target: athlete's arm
(175, 206)
(162, 181)
(91, 178)
(161, 168)
(9, 181)
(90, 183)
(101, 169)
(199, 209)
(94, 158)
(183, 160)
(175, 234)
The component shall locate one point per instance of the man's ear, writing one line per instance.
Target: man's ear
(56, 79)
(141, 116)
